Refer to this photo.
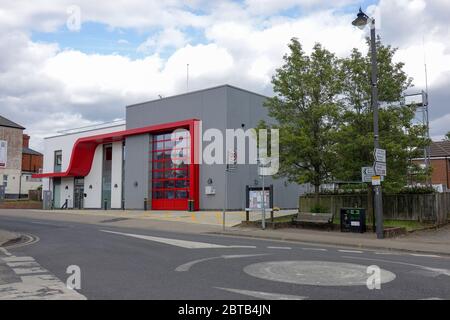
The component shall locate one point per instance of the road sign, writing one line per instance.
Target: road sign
(376, 180)
(379, 155)
(380, 168)
(367, 173)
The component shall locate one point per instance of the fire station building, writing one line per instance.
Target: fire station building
(130, 164)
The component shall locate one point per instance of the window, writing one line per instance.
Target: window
(5, 180)
(58, 161)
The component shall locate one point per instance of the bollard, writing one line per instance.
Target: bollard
(145, 204)
(105, 204)
(123, 204)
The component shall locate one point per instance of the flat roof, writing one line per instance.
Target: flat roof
(197, 91)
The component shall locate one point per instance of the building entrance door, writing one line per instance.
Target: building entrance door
(57, 193)
(78, 193)
(106, 176)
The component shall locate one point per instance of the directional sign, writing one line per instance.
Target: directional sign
(379, 155)
(380, 168)
(367, 173)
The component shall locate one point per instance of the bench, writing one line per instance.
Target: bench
(323, 219)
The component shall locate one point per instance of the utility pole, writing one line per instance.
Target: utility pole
(263, 215)
(361, 22)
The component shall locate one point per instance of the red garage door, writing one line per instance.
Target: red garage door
(171, 176)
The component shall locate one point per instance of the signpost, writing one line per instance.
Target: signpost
(380, 169)
(380, 155)
(367, 173)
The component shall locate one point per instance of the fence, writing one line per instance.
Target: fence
(415, 207)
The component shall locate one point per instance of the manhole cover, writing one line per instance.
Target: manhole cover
(315, 273)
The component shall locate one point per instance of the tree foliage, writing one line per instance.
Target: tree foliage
(307, 113)
(322, 106)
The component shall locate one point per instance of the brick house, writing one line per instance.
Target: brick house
(32, 160)
(17, 161)
(440, 162)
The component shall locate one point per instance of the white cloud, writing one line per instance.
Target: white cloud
(46, 88)
(168, 38)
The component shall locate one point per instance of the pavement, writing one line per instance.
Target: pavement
(214, 218)
(115, 258)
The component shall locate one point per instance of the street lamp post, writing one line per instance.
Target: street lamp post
(361, 22)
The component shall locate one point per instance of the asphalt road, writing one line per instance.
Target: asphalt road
(125, 263)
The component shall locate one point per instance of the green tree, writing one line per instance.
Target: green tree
(306, 110)
(447, 136)
(402, 139)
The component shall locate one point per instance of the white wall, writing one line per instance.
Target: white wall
(13, 179)
(94, 180)
(29, 183)
(116, 176)
(65, 143)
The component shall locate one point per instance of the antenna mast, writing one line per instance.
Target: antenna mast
(187, 77)
(426, 119)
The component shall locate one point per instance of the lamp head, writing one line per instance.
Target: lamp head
(361, 20)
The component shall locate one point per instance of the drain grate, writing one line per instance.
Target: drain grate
(114, 220)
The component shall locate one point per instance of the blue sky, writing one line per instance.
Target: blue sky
(99, 38)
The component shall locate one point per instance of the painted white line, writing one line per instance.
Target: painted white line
(432, 299)
(26, 264)
(350, 251)
(187, 266)
(425, 255)
(241, 247)
(264, 295)
(387, 253)
(178, 243)
(21, 271)
(5, 252)
(280, 248)
(434, 271)
(314, 249)
(18, 259)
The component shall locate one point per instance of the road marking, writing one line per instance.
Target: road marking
(432, 299)
(22, 264)
(350, 251)
(280, 248)
(434, 271)
(387, 253)
(18, 259)
(241, 247)
(186, 266)
(34, 286)
(314, 249)
(264, 295)
(5, 252)
(36, 269)
(178, 243)
(425, 255)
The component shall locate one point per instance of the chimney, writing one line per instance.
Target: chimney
(26, 141)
